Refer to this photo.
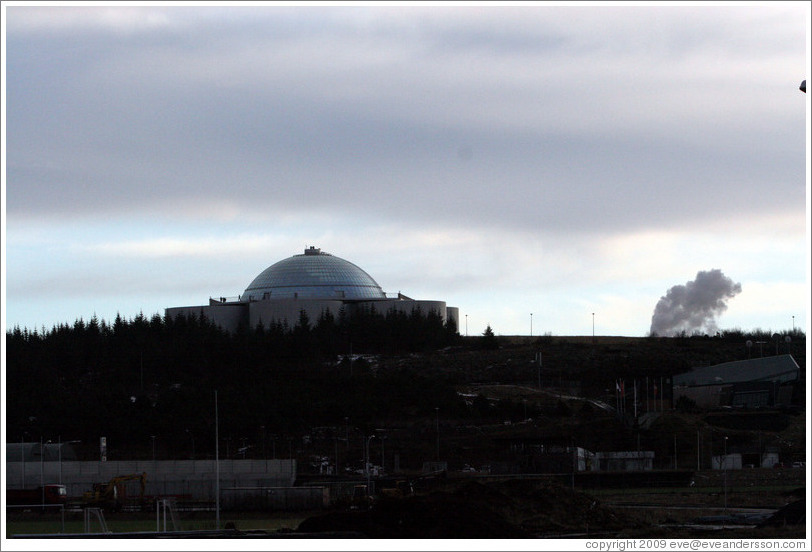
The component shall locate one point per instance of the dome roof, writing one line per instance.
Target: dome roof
(313, 275)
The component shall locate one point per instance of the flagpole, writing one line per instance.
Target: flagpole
(648, 404)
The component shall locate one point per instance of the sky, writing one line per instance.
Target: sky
(546, 168)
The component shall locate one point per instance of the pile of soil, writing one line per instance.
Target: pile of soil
(510, 509)
(793, 513)
(548, 509)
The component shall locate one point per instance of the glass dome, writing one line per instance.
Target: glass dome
(313, 275)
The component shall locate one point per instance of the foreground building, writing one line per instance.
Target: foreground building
(315, 283)
(756, 383)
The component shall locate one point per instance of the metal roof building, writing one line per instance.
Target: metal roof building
(781, 368)
(757, 382)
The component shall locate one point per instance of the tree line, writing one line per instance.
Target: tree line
(132, 379)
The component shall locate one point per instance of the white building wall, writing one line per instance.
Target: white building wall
(727, 462)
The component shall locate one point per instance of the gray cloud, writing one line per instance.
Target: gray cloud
(555, 128)
(285, 110)
(693, 307)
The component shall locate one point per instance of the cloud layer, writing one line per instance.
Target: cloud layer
(499, 148)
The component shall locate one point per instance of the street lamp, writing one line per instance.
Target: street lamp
(531, 324)
(60, 455)
(437, 410)
(383, 455)
(724, 470)
(41, 469)
(382, 431)
(192, 437)
(366, 463)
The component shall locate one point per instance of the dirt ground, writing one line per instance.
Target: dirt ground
(538, 509)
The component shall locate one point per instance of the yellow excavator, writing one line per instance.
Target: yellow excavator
(113, 494)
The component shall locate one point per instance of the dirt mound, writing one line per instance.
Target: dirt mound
(552, 509)
(793, 513)
(436, 516)
(511, 509)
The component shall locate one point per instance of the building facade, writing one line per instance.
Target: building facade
(313, 283)
(756, 383)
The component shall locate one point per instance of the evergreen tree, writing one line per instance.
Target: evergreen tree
(488, 339)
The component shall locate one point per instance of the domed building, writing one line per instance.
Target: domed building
(314, 282)
(314, 275)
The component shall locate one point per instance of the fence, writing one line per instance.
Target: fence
(195, 478)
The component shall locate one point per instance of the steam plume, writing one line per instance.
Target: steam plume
(694, 306)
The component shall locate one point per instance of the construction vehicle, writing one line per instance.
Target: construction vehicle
(113, 494)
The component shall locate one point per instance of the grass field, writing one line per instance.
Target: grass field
(31, 523)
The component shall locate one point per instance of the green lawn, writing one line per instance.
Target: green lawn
(36, 524)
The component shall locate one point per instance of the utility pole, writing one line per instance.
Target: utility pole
(538, 359)
(675, 451)
(437, 410)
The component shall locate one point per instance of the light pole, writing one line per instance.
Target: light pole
(383, 455)
(531, 324)
(437, 410)
(336, 451)
(41, 470)
(593, 327)
(366, 463)
(724, 470)
(466, 325)
(60, 455)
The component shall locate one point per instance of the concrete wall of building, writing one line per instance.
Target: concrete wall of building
(196, 478)
(288, 311)
(407, 306)
(228, 316)
(769, 459)
(623, 461)
(727, 462)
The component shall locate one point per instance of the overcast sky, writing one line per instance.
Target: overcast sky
(560, 160)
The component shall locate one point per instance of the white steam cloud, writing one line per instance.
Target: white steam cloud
(694, 306)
